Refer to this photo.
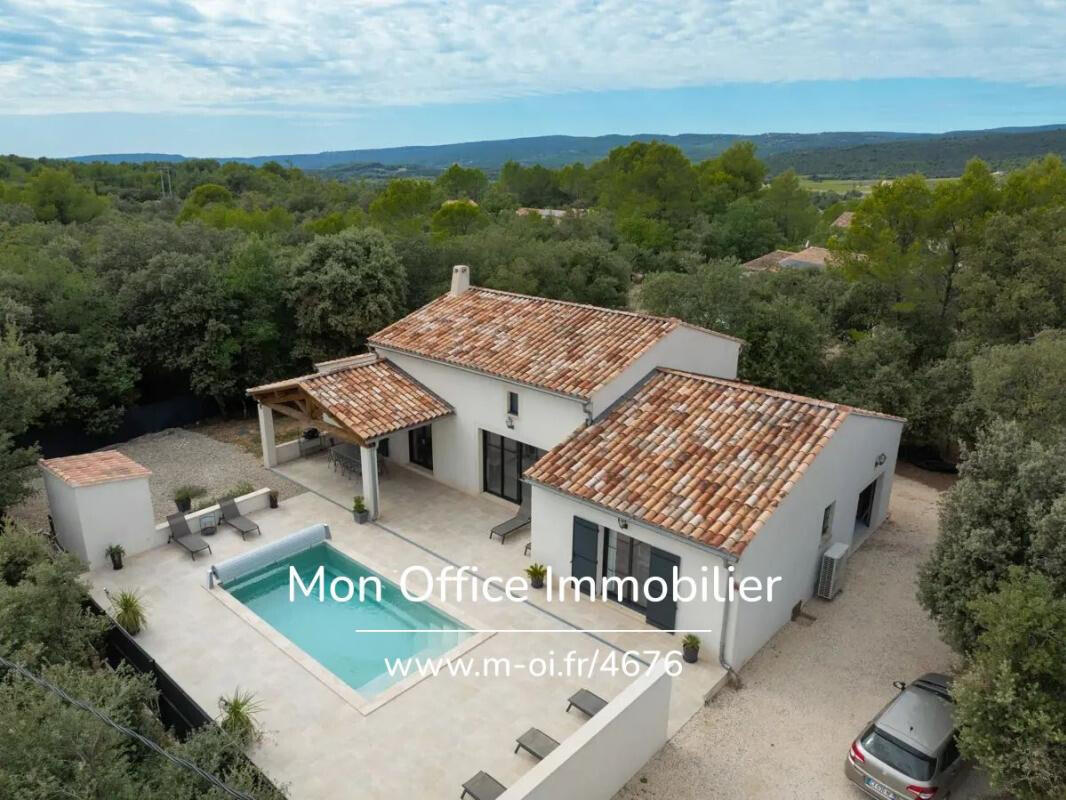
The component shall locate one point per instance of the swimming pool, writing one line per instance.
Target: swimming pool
(326, 630)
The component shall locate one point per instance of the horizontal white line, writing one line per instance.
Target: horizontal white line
(522, 630)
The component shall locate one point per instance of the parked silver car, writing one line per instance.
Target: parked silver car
(908, 751)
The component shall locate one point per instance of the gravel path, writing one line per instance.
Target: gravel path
(177, 456)
(808, 692)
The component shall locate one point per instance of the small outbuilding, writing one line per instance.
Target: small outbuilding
(99, 499)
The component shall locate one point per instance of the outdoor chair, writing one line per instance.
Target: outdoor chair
(518, 521)
(535, 742)
(587, 702)
(232, 516)
(181, 534)
(483, 787)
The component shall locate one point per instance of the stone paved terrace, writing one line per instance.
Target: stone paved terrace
(430, 738)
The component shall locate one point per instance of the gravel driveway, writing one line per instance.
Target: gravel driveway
(807, 693)
(177, 456)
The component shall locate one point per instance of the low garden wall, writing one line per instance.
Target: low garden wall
(254, 501)
(598, 760)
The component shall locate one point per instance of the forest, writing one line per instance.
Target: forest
(123, 284)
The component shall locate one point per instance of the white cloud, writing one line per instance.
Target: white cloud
(331, 58)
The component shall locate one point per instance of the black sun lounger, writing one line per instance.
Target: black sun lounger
(586, 701)
(519, 520)
(180, 534)
(483, 787)
(535, 742)
(232, 515)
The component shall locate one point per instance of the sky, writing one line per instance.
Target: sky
(251, 77)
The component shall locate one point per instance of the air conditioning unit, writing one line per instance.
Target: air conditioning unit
(831, 575)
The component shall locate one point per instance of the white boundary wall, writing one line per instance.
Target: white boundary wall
(608, 750)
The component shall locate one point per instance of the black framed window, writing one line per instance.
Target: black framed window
(420, 444)
(512, 403)
(383, 448)
(503, 461)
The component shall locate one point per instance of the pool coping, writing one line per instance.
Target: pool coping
(364, 705)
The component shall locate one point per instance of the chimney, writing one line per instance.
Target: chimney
(460, 279)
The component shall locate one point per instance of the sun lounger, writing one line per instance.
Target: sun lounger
(483, 787)
(232, 516)
(519, 520)
(586, 701)
(535, 742)
(182, 535)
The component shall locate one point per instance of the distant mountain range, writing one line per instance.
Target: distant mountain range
(864, 154)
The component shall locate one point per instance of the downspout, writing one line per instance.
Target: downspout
(734, 678)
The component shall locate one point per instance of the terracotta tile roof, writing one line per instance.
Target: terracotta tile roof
(87, 469)
(700, 457)
(368, 396)
(566, 347)
(808, 257)
(844, 220)
(768, 262)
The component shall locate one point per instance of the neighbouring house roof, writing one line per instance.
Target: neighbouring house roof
(88, 469)
(564, 347)
(768, 262)
(844, 220)
(552, 213)
(367, 397)
(807, 257)
(700, 457)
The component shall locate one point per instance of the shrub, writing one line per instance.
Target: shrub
(129, 611)
(188, 492)
(20, 550)
(238, 716)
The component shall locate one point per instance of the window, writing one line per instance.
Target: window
(503, 461)
(383, 448)
(950, 754)
(512, 403)
(827, 522)
(626, 557)
(420, 442)
(897, 755)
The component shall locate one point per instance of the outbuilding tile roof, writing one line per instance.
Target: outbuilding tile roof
(700, 457)
(768, 262)
(368, 396)
(807, 257)
(565, 347)
(87, 469)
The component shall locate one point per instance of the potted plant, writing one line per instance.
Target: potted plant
(536, 573)
(129, 611)
(238, 716)
(690, 647)
(184, 495)
(359, 510)
(273, 498)
(115, 553)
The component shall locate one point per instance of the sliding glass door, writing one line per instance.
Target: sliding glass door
(503, 461)
(420, 444)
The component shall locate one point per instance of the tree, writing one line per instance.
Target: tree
(790, 207)
(648, 180)
(404, 203)
(343, 288)
(744, 231)
(457, 182)
(785, 346)
(1008, 509)
(874, 370)
(27, 393)
(456, 217)
(53, 194)
(736, 172)
(1021, 382)
(1010, 699)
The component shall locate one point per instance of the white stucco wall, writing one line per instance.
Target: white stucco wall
(552, 531)
(788, 546)
(89, 519)
(480, 403)
(789, 543)
(683, 348)
(598, 759)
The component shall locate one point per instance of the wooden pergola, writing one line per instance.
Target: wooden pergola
(361, 400)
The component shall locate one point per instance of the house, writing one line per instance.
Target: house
(554, 214)
(629, 437)
(807, 258)
(770, 262)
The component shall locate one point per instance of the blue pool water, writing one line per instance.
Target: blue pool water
(326, 630)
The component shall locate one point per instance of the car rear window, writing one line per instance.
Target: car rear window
(898, 756)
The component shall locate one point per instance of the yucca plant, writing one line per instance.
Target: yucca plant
(129, 611)
(238, 716)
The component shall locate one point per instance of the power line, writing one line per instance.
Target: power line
(178, 760)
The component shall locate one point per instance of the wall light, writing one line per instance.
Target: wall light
(510, 423)
(881, 459)
(622, 524)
